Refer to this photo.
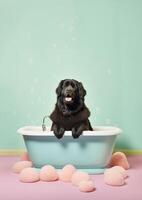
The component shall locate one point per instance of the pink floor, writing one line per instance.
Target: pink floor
(12, 189)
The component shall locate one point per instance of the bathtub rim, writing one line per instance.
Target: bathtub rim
(99, 131)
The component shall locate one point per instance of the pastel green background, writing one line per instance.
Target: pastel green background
(98, 42)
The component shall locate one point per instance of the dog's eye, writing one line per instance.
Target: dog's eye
(67, 83)
(73, 85)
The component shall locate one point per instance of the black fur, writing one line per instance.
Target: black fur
(70, 111)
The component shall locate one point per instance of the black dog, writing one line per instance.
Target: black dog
(70, 112)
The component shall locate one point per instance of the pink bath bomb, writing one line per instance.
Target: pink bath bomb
(29, 175)
(48, 173)
(19, 166)
(66, 173)
(119, 159)
(113, 177)
(79, 176)
(86, 186)
(25, 156)
(120, 170)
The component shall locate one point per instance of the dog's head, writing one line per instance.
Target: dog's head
(70, 91)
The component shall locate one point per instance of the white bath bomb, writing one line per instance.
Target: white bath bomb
(29, 175)
(86, 186)
(113, 177)
(19, 166)
(79, 176)
(48, 173)
(66, 173)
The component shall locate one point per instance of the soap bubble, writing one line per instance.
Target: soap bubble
(109, 71)
(30, 61)
(54, 45)
(35, 80)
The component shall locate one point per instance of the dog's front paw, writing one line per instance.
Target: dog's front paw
(59, 134)
(75, 136)
(58, 131)
(76, 133)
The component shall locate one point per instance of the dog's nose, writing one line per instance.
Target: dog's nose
(69, 89)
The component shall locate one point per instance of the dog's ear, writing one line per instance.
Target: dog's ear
(82, 91)
(59, 88)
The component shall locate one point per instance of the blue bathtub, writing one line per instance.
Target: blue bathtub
(91, 152)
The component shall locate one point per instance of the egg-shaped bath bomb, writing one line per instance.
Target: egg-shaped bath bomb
(120, 170)
(25, 156)
(119, 159)
(79, 176)
(29, 175)
(66, 173)
(48, 173)
(113, 177)
(19, 166)
(86, 186)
